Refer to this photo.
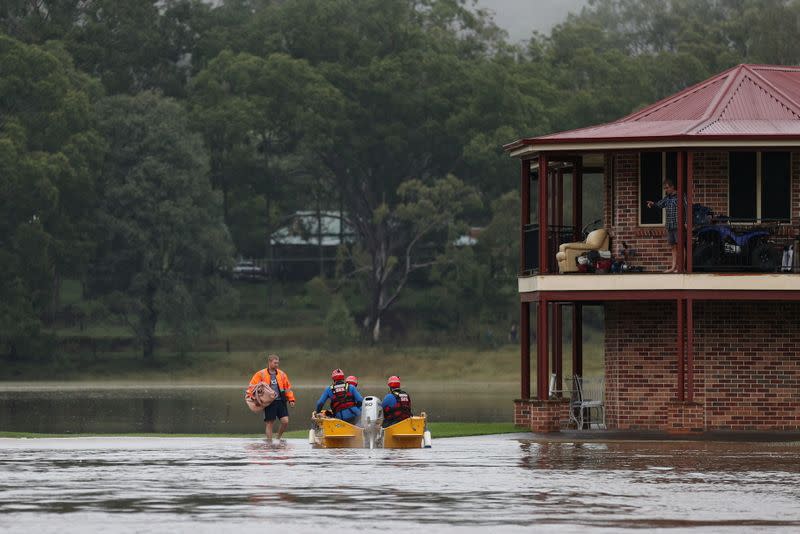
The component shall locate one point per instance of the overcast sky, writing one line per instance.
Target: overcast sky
(521, 17)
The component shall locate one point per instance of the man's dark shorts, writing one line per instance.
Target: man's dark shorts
(276, 410)
(672, 236)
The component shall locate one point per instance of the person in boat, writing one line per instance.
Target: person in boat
(344, 398)
(396, 404)
(279, 382)
(352, 380)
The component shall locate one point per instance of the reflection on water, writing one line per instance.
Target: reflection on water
(212, 409)
(497, 483)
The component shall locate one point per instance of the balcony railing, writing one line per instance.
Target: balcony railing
(556, 235)
(722, 246)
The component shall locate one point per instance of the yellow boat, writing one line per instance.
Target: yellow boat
(332, 433)
(407, 434)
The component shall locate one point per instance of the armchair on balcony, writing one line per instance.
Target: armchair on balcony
(569, 252)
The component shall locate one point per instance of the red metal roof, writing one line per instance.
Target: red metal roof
(746, 102)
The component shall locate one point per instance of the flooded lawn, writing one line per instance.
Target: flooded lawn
(202, 409)
(490, 483)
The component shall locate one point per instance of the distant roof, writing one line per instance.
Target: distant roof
(747, 104)
(301, 229)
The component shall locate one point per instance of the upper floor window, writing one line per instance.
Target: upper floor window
(654, 168)
(760, 186)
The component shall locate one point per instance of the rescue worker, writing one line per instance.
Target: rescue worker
(396, 405)
(344, 398)
(280, 384)
(352, 380)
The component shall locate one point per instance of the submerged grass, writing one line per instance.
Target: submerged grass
(438, 430)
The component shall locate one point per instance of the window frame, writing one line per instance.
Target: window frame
(663, 222)
(759, 183)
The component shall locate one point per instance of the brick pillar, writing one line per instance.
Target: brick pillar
(541, 415)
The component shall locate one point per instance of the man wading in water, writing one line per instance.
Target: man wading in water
(279, 382)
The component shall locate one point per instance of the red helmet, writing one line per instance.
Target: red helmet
(337, 374)
(394, 381)
(351, 380)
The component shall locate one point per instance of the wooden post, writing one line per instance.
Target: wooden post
(577, 339)
(577, 199)
(542, 373)
(690, 349)
(690, 211)
(543, 264)
(525, 208)
(681, 220)
(558, 346)
(525, 349)
(679, 348)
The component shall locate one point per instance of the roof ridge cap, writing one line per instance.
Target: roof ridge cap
(711, 114)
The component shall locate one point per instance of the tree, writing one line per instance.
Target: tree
(48, 156)
(260, 118)
(161, 238)
(421, 229)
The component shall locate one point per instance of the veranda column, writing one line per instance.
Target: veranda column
(690, 210)
(690, 349)
(577, 199)
(679, 348)
(577, 339)
(525, 209)
(542, 205)
(525, 349)
(681, 221)
(542, 373)
(525, 307)
(558, 345)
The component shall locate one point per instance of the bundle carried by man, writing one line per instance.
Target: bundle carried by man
(259, 396)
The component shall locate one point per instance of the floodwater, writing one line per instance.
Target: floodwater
(107, 408)
(490, 483)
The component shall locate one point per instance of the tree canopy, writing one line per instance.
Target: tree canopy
(145, 144)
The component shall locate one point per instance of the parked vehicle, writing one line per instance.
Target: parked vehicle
(248, 270)
(720, 246)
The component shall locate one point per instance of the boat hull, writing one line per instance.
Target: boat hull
(407, 434)
(331, 433)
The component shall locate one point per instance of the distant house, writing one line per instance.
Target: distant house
(307, 244)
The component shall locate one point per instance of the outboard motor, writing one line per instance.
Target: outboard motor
(371, 416)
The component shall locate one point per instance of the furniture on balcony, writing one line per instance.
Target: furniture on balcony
(568, 252)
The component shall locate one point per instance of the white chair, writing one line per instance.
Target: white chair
(588, 395)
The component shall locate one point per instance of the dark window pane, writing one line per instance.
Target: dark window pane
(672, 168)
(650, 187)
(775, 186)
(742, 185)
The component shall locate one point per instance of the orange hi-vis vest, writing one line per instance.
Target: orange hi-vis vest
(283, 383)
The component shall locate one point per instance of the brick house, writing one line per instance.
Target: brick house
(716, 345)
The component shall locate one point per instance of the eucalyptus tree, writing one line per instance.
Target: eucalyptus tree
(262, 118)
(48, 155)
(161, 238)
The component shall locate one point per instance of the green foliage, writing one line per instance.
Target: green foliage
(340, 329)
(162, 237)
(368, 106)
(48, 166)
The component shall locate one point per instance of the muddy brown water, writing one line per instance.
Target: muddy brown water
(105, 408)
(490, 483)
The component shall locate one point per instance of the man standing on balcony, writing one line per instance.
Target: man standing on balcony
(670, 203)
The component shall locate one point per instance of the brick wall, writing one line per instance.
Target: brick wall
(747, 367)
(710, 189)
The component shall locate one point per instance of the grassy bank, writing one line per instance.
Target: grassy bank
(438, 431)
